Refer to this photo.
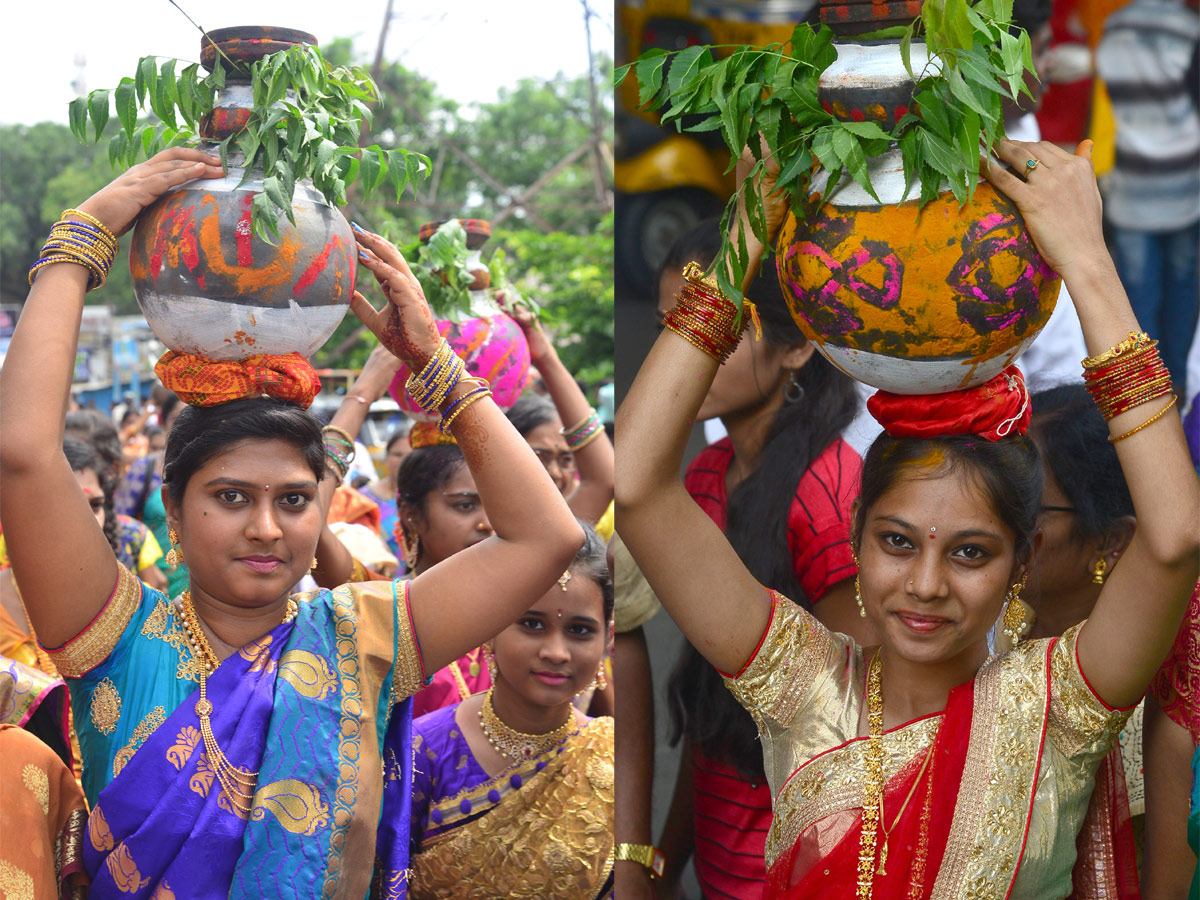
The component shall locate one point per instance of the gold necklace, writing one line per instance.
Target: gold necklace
(515, 744)
(873, 789)
(237, 783)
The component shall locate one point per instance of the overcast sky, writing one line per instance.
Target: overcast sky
(468, 48)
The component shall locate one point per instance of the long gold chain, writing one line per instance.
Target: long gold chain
(237, 783)
(515, 744)
(873, 789)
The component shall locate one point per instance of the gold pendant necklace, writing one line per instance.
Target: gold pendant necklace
(237, 783)
(516, 744)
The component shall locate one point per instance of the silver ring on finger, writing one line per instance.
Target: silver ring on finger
(1030, 164)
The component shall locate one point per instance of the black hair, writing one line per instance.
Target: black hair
(201, 433)
(93, 427)
(1008, 470)
(531, 411)
(425, 470)
(82, 455)
(591, 562)
(170, 401)
(1073, 438)
(756, 520)
(1031, 15)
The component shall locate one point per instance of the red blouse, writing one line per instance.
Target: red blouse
(732, 815)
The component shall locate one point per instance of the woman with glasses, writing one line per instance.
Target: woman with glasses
(565, 431)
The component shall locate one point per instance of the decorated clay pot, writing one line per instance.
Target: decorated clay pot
(205, 284)
(907, 299)
(493, 347)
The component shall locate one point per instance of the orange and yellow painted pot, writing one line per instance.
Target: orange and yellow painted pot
(915, 300)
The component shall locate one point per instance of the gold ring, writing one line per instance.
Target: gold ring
(1030, 164)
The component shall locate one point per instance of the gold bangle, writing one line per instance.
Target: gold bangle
(1150, 421)
(343, 433)
(104, 229)
(465, 404)
(95, 278)
(1137, 340)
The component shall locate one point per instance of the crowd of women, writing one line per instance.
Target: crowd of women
(963, 664)
(258, 711)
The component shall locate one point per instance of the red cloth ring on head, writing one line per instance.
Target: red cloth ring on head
(200, 381)
(992, 410)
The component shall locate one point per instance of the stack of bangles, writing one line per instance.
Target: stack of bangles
(1128, 375)
(584, 433)
(88, 243)
(339, 449)
(436, 382)
(705, 318)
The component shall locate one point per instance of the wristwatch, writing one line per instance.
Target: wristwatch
(650, 857)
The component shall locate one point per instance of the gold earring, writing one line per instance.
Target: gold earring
(175, 554)
(862, 609)
(1098, 571)
(313, 567)
(601, 681)
(489, 657)
(1016, 620)
(410, 547)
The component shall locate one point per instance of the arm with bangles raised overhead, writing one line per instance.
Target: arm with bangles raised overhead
(721, 608)
(42, 508)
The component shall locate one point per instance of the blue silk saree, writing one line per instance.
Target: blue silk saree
(305, 706)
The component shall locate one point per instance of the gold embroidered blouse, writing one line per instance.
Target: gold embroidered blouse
(1037, 728)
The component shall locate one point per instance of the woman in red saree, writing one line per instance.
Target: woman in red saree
(927, 766)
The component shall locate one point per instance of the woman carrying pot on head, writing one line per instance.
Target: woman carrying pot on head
(780, 486)
(924, 767)
(232, 736)
(513, 788)
(565, 431)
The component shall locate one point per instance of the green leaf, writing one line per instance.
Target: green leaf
(906, 51)
(77, 112)
(168, 89)
(850, 154)
(798, 164)
(147, 77)
(368, 173)
(686, 66)
(963, 93)
(264, 219)
(274, 191)
(98, 109)
(941, 156)
(865, 130)
(649, 69)
(958, 26)
(117, 148)
(149, 138)
(325, 157)
(621, 73)
(125, 98)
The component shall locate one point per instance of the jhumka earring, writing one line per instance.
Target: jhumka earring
(489, 658)
(313, 567)
(175, 554)
(1016, 623)
(410, 546)
(1098, 571)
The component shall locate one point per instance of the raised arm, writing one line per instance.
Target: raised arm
(594, 460)
(470, 597)
(41, 505)
(334, 562)
(1141, 605)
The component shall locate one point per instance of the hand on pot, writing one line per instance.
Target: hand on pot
(775, 203)
(524, 315)
(406, 326)
(380, 369)
(119, 203)
(1058, 199)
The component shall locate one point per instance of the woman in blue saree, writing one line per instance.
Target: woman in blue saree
(232, 736)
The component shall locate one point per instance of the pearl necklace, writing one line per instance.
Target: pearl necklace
(513, 744)
(237, 783)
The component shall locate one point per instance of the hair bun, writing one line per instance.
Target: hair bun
(992, 410)
(199, 381)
